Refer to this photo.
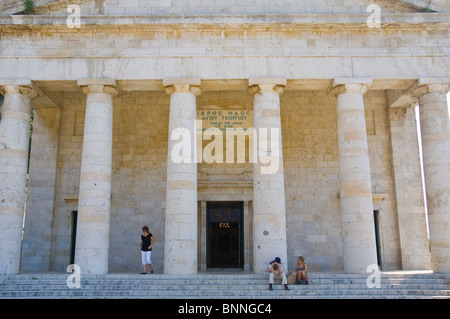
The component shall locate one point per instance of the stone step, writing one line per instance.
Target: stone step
(217, 287)
(242, 284)
(220, 281)
(219, 294)
(209, 287)
(222, 286)
(252, 277)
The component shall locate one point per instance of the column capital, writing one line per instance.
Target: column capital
(172, 85)
(264, 85)
(430, 85)
(350, 85)
(21, 86)
(98, 86)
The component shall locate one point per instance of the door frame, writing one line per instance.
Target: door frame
(376, 222)
(241, 254)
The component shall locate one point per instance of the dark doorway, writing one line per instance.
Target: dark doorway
(376, 218)
(225, 235)
(73, 239)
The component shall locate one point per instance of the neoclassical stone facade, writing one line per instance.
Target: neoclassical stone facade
(336, 92)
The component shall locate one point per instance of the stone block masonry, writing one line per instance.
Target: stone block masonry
(92, 245)
(103, 140)
(14, 143)
(180, 246)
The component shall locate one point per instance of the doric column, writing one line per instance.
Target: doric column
(14, 142)
(435, 131)
(41, 189)
(180, 244)
(269, 214)
(92, 245)
(358, 231)
(412, 224)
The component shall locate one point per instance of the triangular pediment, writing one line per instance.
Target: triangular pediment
(199, 7)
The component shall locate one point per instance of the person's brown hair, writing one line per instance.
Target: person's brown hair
(275, 266)
(145, 229)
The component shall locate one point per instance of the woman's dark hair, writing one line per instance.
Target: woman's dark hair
(145, 228)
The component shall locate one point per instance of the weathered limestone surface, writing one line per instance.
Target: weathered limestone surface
(358, 232)
(92, 247)
(435, 130)
(409, 194)
(269, 215)
(310, 162)
(170, 7)
(41, 189)
(226, 43)
(14, 142)
(180, 245)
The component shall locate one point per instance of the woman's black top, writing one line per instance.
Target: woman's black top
(146, 241)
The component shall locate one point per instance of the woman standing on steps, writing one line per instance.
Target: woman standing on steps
(146, 249)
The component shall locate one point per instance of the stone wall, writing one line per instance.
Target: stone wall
(415, 249)
(138, 185)
(67, 177)
(212, 176)
(382, 176)
(311, 179)
(140, 56)
(139, 177)
(213, 53)
(164, 41)
(139, 169)
(36, 247)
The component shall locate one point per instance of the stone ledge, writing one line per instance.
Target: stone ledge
(247, 22)
(225, 184)
(379, 197)
(70, 197)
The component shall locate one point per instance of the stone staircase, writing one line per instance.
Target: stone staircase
(212, 285)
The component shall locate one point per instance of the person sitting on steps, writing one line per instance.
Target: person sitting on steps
(302, 269)
(276, 272)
